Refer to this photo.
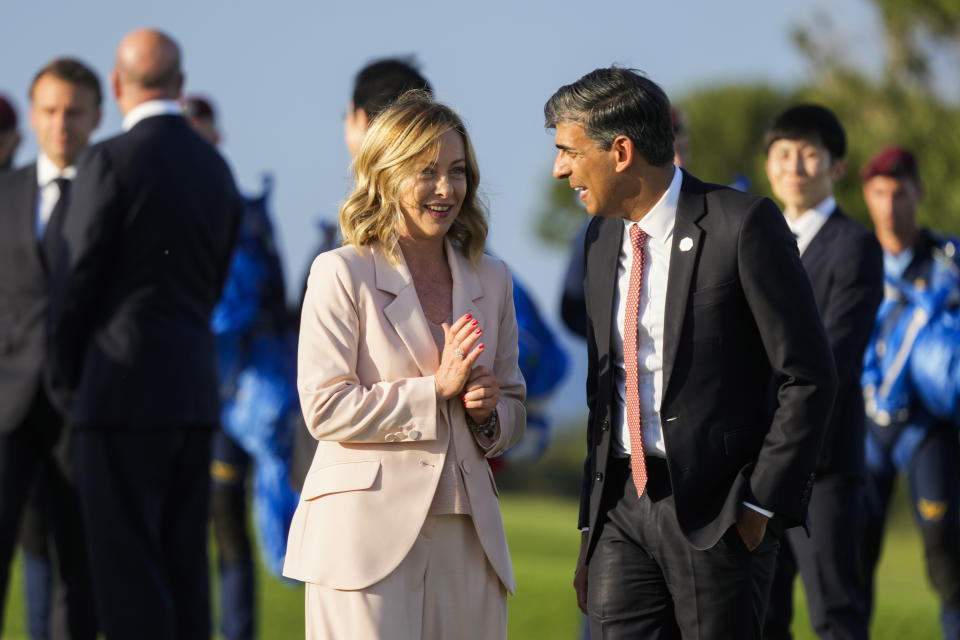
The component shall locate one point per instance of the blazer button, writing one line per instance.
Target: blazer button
(414, 435)
(598, 476)
(605, 426)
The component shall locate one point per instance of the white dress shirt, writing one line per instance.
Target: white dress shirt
(48, 192)
(806, 226)
(149, 109)
(658, 225)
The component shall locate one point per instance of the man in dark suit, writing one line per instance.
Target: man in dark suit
(146, 245)
(64, 110)
(806, 146)
(696, 302)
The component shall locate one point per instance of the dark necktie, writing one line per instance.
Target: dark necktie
(51, 235)
(630, 321)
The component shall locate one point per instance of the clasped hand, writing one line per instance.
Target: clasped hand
(457, 374)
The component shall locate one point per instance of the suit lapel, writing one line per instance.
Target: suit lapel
(603, 256)
(683, 259)
(404, 311)
(466, 285)
(820, 245)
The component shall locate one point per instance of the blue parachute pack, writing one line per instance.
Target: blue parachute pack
(911, 372)
(257, 358)
(543, 364)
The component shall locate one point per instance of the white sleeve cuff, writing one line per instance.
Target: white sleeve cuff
(765, 512)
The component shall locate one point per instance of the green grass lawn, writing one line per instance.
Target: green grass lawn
(544, 541)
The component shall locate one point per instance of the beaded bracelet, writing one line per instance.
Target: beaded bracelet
(485, 430)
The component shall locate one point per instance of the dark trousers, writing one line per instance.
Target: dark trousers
(935, 499)
(38, 450)
(145, 496)
(645, 580)
(228, 508)
(829, 563)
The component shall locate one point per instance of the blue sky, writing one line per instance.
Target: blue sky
(280, 74)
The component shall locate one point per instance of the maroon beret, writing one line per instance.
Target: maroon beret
(893, 161)
(8, 117)
(198, 107)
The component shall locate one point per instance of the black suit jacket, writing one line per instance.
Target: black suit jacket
(145, 249)
(845, 264)
(739, 310)
(23, 297)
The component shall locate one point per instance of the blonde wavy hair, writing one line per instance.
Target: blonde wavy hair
(392, 151)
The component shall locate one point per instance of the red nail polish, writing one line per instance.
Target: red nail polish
(479, 331)
(470, 316)
(473, 324)
(480, 348)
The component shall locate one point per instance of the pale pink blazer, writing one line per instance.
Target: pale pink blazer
(366, 361)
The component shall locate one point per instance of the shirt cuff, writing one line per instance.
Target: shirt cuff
(765, 512)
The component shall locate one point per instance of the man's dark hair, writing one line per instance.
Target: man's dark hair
(73, 71)
(613, 102)
(809, 122)
(381, 82)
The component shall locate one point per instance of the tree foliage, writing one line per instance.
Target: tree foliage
(901, 105)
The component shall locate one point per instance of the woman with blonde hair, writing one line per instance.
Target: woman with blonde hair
(408, 378)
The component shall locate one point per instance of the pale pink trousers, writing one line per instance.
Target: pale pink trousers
(444, 589)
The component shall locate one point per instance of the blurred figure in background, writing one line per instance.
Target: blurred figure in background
(9, 135)
(542, 360)
(145, 251)
(805, 147)
(911, 379)
(65, 98)
(257, 360)
(375, 87)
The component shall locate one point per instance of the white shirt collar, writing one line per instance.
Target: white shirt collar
(149, 109)
(47, 171)
(806, 226)
(659, 221)
(897, 265)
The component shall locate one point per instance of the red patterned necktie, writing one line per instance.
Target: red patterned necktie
(634, 419)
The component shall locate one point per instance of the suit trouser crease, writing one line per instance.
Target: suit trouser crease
(645, 580)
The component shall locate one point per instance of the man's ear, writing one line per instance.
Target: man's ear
(115, 84)
(624, 153)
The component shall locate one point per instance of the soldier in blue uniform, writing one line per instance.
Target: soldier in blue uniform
(911, 409)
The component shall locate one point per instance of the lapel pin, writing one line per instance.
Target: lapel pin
(686, 244)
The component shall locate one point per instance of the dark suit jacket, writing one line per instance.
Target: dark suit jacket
(845, 264)
(23, 297)
(146, 244)
(739, 310)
